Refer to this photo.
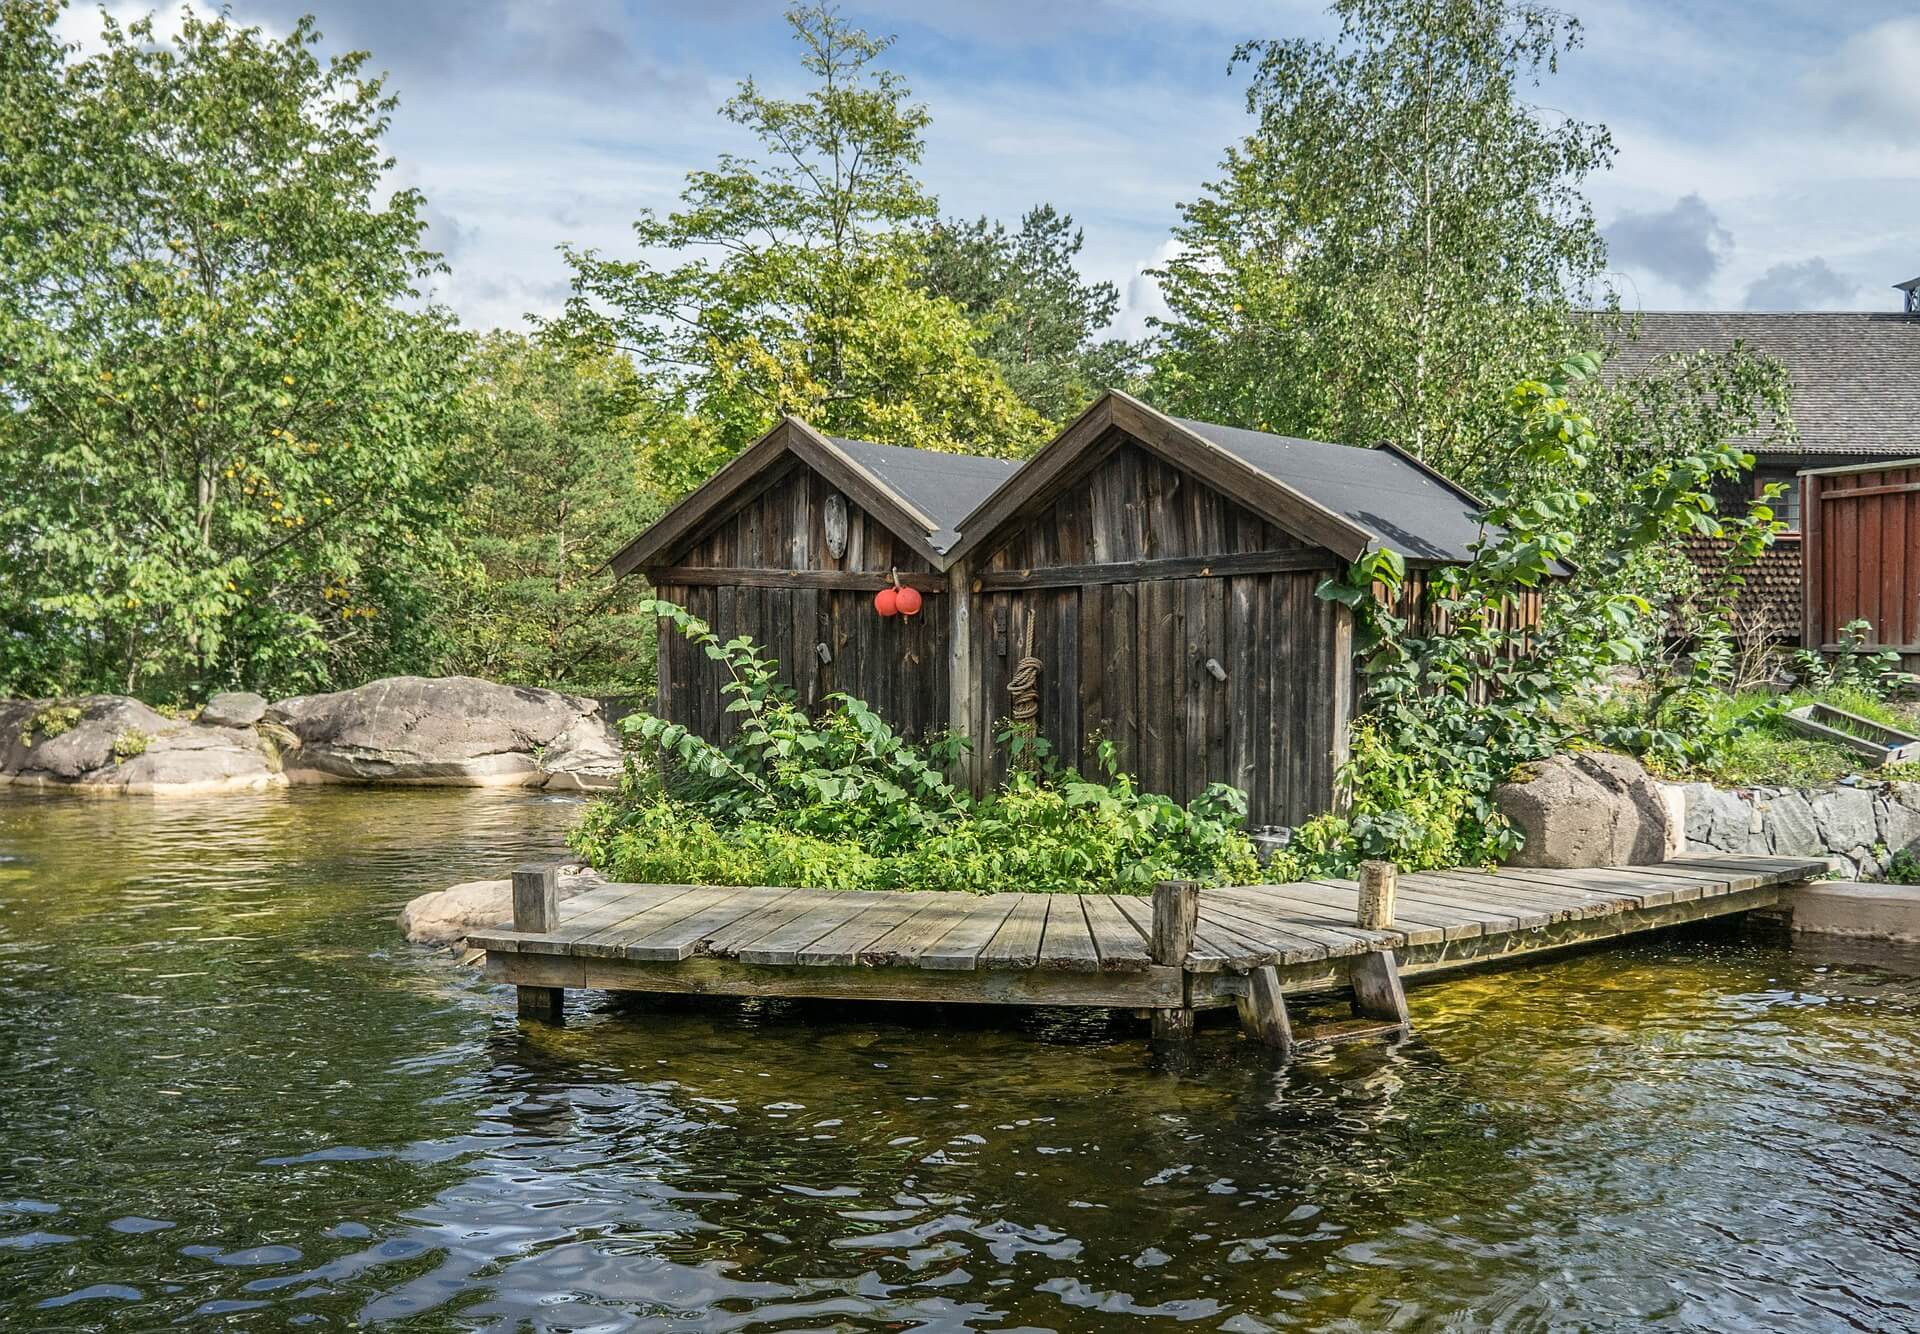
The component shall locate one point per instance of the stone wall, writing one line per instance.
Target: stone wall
(1858, 825)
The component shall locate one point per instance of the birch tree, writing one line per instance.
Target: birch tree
(1399, 231)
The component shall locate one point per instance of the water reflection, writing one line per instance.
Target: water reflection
(231, 1094)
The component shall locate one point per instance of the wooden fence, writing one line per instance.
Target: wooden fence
(1862, 554)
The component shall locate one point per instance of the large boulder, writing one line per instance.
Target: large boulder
(448, 916)
(455, 730)
(1587, 808)
(108, 743)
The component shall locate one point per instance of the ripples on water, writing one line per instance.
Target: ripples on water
(230, 1097)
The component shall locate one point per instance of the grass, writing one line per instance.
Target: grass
(1761, 748)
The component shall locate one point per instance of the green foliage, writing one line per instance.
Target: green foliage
(1470, 692)
(49, 722)
(555, 452)
(843, 802)
(1853, 666)
(1746, 738)
(790, 286)
(130, 743)
(1043, 319)
(1903, 868)
(1400, 229)
(223, 457)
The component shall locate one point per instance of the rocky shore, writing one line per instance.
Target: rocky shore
(452, 731)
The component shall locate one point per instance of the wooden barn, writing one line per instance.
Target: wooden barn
(1162, 573)
(1861, 541)
(788, 544)
(1143, 579)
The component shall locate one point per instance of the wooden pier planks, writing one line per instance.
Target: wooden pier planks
(1306, 931)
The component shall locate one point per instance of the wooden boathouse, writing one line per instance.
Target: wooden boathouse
(1181, 952)
(1143, 579)
(788, 544)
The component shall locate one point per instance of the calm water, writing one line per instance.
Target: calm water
(230, 1097)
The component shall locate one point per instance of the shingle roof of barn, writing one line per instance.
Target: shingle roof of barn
(944, 487)
(1856, 377)
(1404, 505)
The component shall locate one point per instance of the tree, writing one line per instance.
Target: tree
(1044, 319)
(224, 458)
(1398, 230)
(557, 492)
(790, 288)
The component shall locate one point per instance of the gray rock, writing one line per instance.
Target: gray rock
(191, 760)
(83, 744)
(1897, 815)
(454, 730)
(1845, 818)
(450, 915)
(584, 758)
(1717, 821)
(234, 708)
(1788, 826)
(1589, 808)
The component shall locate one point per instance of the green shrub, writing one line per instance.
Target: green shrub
(130, 743)
(842, 802)
(52, 721)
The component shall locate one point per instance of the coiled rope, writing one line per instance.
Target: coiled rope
(1024, 684)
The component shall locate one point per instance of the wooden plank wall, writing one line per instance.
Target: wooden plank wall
(898, 665)
(1127, 661)
(1861, 555)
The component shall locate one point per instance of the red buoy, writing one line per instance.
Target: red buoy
(886, 602)
(907, 599)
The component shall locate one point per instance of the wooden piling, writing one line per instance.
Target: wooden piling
(1263, 1011)
(1176, 913)
(1378, 883)
(1377, 993)
(536, 908)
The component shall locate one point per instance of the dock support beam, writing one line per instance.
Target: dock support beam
(1263, 1011)
(1176, 913)
(1377, 993)
(536, 907)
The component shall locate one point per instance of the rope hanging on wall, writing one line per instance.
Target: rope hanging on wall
(1024, 684)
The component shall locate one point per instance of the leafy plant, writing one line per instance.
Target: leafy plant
(130, 743)
(1470, 690)
(842, 801)
(49, 722)
(1903, 868)
(1852, 666)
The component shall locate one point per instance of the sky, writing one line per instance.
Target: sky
(1768, 150)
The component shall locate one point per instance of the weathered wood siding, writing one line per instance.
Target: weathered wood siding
(898, 665)
(1127, 660)
(1861, 561)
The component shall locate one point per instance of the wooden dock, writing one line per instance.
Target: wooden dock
(1183, 950)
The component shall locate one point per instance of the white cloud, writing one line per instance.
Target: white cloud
(1872, 82)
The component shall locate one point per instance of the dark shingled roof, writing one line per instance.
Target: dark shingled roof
(944, 487)
(1401, 503)
(1856, 377)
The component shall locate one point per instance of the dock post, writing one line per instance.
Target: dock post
(536, 908)
(1375, 976)
(1378, 881)
(1176, 912)
(1263, 1011)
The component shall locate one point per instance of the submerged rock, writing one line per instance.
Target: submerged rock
(447, 916)
(455, 730)
(1587, 808)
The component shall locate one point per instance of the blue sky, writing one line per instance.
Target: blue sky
(1769, 150)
